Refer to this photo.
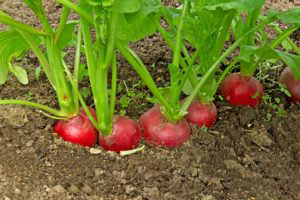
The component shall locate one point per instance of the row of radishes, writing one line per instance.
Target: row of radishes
(204, 26)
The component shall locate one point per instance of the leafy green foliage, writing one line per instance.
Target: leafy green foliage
(267, 53)
(20, 73)
(130, 6)
(136, 25)
(11, 45)
(66, 36)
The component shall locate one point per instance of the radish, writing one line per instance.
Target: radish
(125, 135)
(293, 86)
(202, 114)
(77, 129)
(158, 131)
(242, 90)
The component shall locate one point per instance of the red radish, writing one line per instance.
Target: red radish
(293, 86)
(78, 129)
(242, 90)
(125, 135)
(158, 131)
(202, 114)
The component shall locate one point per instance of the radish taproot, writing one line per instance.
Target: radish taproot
(241, 90)
(202, 114)
(78, 129)
(293, 86)
(125, 135)
(159, 132)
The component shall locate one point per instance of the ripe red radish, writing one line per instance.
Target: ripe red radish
(125, 135)
(293, 86)
(158, 131)
(202, 114)
(242, 90)
(78, 129)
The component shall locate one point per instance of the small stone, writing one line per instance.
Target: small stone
(95, 151)
(17, 191)
(194, 172)
(87, 189)
(129, 189)
(18, 151)
(260, 137)
(99, 172)
(29, 143)
(6, 198)
(208, 197)
(151, 192)
(73, 189)
(59, 189)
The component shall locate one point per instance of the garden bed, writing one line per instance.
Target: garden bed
(249, 154)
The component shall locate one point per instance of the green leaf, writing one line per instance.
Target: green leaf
(291, 16)
(292, 61)
(66, 36)
(240, 5)
(130, 6)
(137, 25)
(266, 53)
(285, 44)
(187, 88)
(12, 45)
(20, 73)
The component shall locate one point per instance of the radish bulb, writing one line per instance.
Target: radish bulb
(78, 129)
(240, 90)
(125, 135)
(202, 114)
(293, 86)
(159, 132)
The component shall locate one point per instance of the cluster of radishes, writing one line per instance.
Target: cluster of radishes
(237, 89)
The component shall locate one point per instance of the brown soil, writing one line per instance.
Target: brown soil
(246, 155)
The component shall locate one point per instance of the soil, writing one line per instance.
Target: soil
(249, 154)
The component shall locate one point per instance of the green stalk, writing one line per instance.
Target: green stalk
(164, 34)
(223, 33)
(112, 34)
(214, 67)
(275, 43)
(55, 112)
(77, 67)
(90, 56)
(295, 47)
(176, 56)
(78, 10)
(251, 21)
(142, 71)
(102, 104)
(5, 19)
(64, 95)
(41, 57)
(283, 35)
(63, 21)
(113, 85)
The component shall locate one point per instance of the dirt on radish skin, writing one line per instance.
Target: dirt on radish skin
(158, 131)
(202, 114)
(293, 86)
(125, 135)
(78, 129)
(240, 90)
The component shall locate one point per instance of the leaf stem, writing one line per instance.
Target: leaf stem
(63, 21)
(6, 19)
(55, 112)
